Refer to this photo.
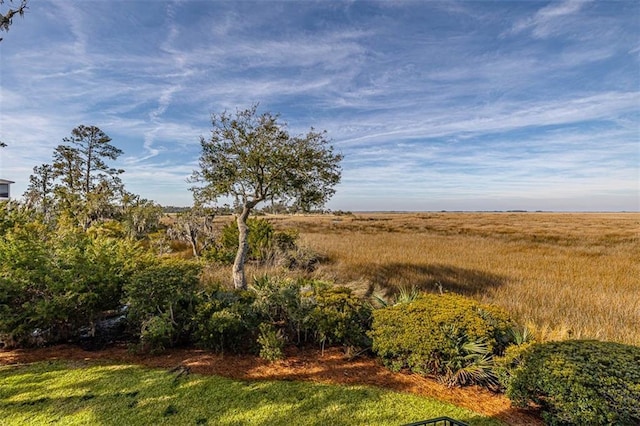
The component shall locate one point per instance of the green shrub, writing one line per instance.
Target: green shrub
(54, 281)
(226, 321)
(286, 303)
(401, 295)
(271, 341)
(157, 333)
(275, 311)
(266, 246)
(506, 365)
(164, 292)
(470, 362)
(313, 311)
(260, 240)
(447, 335)
(340, 318)
(580, 382)
(299, 258)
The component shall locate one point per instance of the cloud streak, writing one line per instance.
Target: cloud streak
(452, 101)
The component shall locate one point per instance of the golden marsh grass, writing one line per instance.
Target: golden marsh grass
(565, 275)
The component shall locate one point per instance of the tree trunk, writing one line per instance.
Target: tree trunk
(239, 279)
(193, 240)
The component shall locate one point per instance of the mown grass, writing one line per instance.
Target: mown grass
(566, 275)
(74, 394)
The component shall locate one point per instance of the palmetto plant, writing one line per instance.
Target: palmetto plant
(521, 335)
(404, 295)
(470, 362)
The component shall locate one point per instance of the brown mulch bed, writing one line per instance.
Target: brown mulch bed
(300, 364)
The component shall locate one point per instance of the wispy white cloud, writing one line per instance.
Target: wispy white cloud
(550, 19)
(490, 118)
(455, 99)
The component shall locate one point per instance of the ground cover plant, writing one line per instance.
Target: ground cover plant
(65, 393)
(580, 382)
(565, 275)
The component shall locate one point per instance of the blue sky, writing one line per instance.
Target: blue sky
(435, 105)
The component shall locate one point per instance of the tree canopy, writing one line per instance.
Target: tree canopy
(252, 158)
(87, 184)
(81, 186)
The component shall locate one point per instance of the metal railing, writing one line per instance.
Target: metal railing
(440, 421)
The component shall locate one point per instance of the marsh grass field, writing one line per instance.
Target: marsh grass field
(564, 275)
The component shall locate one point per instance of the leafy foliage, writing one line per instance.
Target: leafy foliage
(276, 311)
(80, 188)
(161, 300)
(87, 185)
(580, 382)
(339, 317)
(139, 216)
(286, 304)
(6, 19)
(39, 193)
(506, 365)
(403, 295)
(447, 335)
(314, 311)
(157, 333)
(265, 246)
(53, 281)
(226, 321)
(470, 362)
(271, 341)
(195, 227)
(252, 158)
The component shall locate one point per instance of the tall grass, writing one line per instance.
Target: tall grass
(565, 275)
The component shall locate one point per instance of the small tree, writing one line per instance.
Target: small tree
(194, 226)
(139, 216)
(39, 193)
(88, 185)
(252, 158)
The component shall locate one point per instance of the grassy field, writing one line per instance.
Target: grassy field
(565, 275)
(79, 394)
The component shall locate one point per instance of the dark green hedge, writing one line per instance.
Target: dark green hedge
(580, 382)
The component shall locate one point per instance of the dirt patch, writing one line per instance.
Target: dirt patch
(300, 364)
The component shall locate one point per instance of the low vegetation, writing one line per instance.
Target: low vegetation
(449, 336)
(46, 393)
(452, 295)
(53, 283)
(580, 382)
(564, 275)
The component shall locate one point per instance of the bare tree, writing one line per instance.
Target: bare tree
(6, 18)
(252, 158)
(194, 226)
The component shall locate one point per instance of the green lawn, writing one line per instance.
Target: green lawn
(124, 395)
